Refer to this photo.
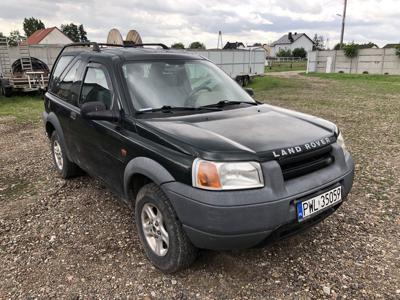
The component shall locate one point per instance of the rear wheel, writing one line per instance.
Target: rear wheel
(246, 80)
(239, 80)
(6, 91)
(64, 166)
(161, 233)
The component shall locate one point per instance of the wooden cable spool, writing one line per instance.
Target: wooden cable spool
(114, 37)
(133, 37)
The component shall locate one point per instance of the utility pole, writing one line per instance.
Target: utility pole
(343, 23)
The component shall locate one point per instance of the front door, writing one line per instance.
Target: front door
(99, 144)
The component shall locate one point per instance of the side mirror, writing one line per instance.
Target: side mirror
(249, 91)
(98, 111)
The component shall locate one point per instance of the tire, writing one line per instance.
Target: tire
(239, 80)
(246, 80)
(176, 252)
(6, 91)
(63, 165)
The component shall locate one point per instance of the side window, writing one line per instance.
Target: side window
(68, 87)
(59, 68)
(96, 88)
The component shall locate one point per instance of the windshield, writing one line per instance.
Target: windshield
(172, 83)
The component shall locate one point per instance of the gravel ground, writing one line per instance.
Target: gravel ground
(74, 239)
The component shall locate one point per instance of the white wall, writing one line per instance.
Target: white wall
(55, 37)
(302, 42)
(46, 53)
(373, 61)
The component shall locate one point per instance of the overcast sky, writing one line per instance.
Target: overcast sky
(249, 21)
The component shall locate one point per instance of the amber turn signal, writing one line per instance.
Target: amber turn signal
(207, 176)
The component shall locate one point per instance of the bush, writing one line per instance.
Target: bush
(351, 50)
(197, 45)
(398, 50)
(284, 53)
(178, 46)
(300, 52)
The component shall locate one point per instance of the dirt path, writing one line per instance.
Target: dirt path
(70, 239)
(285, 74)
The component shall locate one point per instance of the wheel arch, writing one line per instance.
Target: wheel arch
(143, 170)
(53, 124)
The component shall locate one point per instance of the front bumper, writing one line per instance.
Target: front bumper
(241, 219)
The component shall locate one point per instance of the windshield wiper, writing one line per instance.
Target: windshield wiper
(223, 103)
(167, 108)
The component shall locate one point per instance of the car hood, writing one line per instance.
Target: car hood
(244, 133)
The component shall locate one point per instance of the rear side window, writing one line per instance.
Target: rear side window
(61, 65)
(96, 87)
(69, 86)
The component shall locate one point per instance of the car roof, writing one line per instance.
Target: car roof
(135, 53)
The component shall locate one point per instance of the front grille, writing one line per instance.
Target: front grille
(306, 163)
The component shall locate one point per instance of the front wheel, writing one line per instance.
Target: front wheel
(161, 233)
(64, 166)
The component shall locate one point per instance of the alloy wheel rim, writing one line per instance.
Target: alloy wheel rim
(154, 229)
(58, 155)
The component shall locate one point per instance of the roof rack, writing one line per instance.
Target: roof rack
(129, 45)
(97, 48)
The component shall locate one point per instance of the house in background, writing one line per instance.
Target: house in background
(387, 46)
(235, 45)
(48, 36)
(290, 42)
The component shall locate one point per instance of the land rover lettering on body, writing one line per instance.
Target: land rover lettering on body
(202, 164)
(302, 148)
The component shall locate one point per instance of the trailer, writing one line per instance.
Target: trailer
(19, 71)
(239, 64)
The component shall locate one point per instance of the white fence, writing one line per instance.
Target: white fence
(371, 61)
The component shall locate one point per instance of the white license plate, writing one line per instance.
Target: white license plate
(317, 204)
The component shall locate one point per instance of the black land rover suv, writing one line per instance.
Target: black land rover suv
(202, 163)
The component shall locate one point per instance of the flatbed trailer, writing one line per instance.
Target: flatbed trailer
(17, 68)
(239, 64)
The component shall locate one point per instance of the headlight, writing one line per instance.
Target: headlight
(340, 141)
(226, 176)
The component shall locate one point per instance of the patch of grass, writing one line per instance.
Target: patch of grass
(268, 82)
(357, 77)
(286, 66)
(22, 108)
(374, 85)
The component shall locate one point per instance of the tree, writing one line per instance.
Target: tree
(337, 46)
(74, 32)
(351, 50)
(178, 46)
(367, 45)
(300, 52)
(284, 53)
(397, 50)
(319, 42)
(197, 45)
(82, 34)
(14, 38)
(31, 25)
